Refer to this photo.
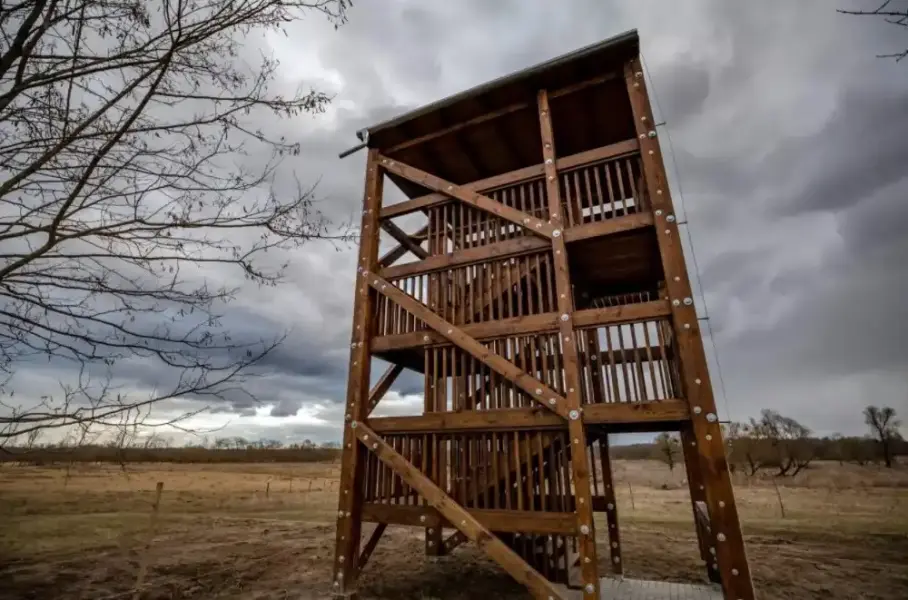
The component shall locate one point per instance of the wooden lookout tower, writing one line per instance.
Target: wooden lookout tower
(546, 305)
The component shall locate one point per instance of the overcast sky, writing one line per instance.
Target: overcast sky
(790, 140)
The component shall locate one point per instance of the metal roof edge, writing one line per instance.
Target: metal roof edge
(629, 36)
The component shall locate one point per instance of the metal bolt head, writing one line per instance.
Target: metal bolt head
(688, 301)
(652, 133)
(687, 326)
(670, 218)
(614, 544)
(610, 506)
(584, 529)
(709, 438)
(548, 161)
(431, 543)
(556, 233)
(366, 437)
(431, 531)
(340, 559)
(616, 559)
(697, 410)
(734, 571)
(720, 537)
(552, 401)
(353, 425)
(711, 417)
(375, 446)
(565, 317)
(697, 381)
(659, 212)
(538, 391)
(422, 518)
(574, 414)
(425, 338)
(589, 588)
(676, 302)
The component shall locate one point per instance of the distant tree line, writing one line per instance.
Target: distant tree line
(784, 447)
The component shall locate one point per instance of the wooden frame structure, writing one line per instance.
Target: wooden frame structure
(548, 306)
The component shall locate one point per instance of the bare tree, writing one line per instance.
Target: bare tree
(790, 441)
(127, 131)
(668, 449)
(895, 15)
(884, 427)
(746, 446)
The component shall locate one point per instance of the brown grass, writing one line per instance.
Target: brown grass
(845, 534)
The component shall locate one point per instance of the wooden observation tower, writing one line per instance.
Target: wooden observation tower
(547, 305)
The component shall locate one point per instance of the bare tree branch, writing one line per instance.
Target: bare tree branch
(127, 128)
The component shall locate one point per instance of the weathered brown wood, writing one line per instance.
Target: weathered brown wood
(382, 386)
(512, 177)
(579, 466)
(455, 539)
(403, 238)
(497, 520)
(459, 517)
(608, 227)
(524, 325)
(537, 390)
(499, 250)
(662, 412)
(467, 196)
(610, 507)
(396, 253)
(370, 546)
(705, 539)
(349, 520)
(731, 554)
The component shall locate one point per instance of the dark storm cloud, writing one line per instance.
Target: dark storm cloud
(790, 140)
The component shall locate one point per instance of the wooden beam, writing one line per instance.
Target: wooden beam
(398, 251)
(349, 523)
(530, 324)
(514, 177)
(610, 507)
(537, 390)
(467, 196)
(382, 386)
(586, 543)
(440, 262)
(459, 517)
(498, 520)
(608, 227)
(672, 411)
(369, 548)
(454, 540)
(405, 240)
(731, 553)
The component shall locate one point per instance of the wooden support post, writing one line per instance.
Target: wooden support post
(349, 515)
(611, 506)
(732, 558)
(458, 516)
(576, 429)
(705, 540)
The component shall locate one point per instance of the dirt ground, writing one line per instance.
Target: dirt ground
(267, 531)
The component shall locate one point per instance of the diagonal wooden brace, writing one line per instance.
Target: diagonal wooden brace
(404, 239)
(370, 547)
(537, 390)
(381, 388)
(458, 516)
(475, 199)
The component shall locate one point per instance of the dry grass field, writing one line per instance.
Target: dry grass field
(845, 535)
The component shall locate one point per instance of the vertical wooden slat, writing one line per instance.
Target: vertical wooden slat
(732, 557)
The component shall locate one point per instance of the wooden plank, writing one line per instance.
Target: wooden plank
(454, 540)
(440, 262)
(382, 386)
(459, 517)
(404, 238)
(498, 520)
(705, 539)
(524, 325)
(579, 465)
(513, 177)
(370, 546)
(505, 419)
(537, 390)
(349, 520)
(467, 196)
(608, 227)
(731, 554)
(399, 251)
